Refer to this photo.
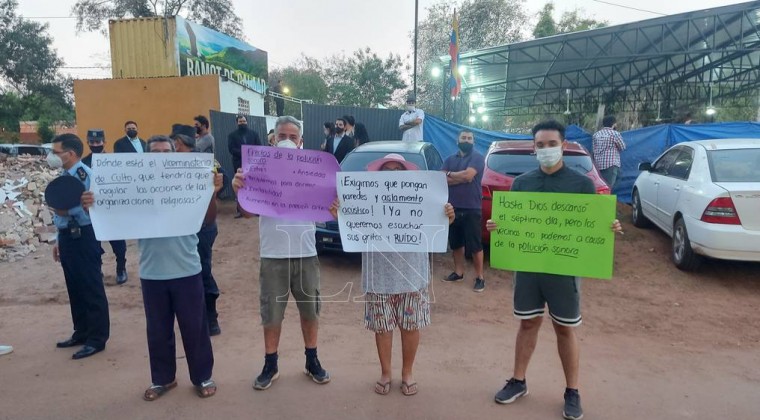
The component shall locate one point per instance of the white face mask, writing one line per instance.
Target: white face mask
(288, 144)
(54, 161)
(550, 156)
(410, 108)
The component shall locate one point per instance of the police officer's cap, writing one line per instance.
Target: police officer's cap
(64, 192)
(96, 134)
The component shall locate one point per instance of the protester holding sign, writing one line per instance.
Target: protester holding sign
(395, 286)
(533, 291)
(170, 275)
(289, 264)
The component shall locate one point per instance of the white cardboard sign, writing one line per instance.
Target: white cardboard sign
(401, 211)
(150, 195)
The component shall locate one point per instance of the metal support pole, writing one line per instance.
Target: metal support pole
(416, 14)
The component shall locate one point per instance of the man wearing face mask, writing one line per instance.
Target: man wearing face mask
(235, 142)
(464, 171)
(340, 144)
(79, 253)
(289, 264)
(205, 141)
(534, 291)
(130, 143)
(410, 122)
(96, 141)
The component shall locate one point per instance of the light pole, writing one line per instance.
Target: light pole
(416, 14)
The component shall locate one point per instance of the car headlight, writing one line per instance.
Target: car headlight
(321, 225)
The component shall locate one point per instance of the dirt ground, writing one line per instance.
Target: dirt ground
(656, 343)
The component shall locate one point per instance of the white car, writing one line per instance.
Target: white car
(706, 195)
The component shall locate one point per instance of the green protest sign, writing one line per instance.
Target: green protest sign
(568, 234)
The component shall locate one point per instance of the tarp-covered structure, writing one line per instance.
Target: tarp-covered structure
(668, 63)
(642, 145)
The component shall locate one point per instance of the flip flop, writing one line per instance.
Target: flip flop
(156, 391)
(409, 389)
(206, 389)
(383, 388)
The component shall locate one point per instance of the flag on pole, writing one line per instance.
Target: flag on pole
(455, 81)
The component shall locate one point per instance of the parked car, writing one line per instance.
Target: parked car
(422, 154)
(25, 149)
(706, 196)
(505, 160)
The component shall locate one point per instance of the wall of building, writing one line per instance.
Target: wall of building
(155, 104)
(143, 47)
(231, 94)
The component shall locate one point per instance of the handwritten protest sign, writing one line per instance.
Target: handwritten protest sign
(290, 184)
(567, 234)
(154, 195)
(398, 211)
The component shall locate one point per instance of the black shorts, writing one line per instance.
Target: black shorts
(465, 231)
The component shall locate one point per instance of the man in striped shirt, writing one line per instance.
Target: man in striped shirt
(608, 143)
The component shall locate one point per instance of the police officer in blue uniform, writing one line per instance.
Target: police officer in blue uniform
(79, 254)
(96, 142)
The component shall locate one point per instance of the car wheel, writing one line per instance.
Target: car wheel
(637, 216)
(683, 256)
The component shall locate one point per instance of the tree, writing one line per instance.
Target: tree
(305, 79)
(364, 79)
(30, 85)
(570, 21)
(482, 23)
(546, 25)
(218, 15)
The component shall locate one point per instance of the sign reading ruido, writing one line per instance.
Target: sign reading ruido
(568, 234)
(153, 195)
(204, 51)
(291, 184)
(387, 211)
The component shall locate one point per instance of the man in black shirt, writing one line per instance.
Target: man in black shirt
(533, 291)
(236, 140)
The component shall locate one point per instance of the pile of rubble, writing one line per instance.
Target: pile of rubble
(25, 220)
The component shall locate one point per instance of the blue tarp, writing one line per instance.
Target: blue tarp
(642, 145)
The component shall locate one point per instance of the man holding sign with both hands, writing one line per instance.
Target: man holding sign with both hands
(533, 291)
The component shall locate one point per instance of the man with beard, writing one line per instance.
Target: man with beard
(235, 142)
(96, 142)
(129, 143)
(205, 141)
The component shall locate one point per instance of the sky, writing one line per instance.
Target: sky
(320, 28)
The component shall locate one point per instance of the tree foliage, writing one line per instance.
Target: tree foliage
(482, 23)
(30, 85)
(364, 78)
(92, 15)
(570, 21)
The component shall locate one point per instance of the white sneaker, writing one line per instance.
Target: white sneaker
(5, 350)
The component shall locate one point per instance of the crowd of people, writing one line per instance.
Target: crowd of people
(176, 272)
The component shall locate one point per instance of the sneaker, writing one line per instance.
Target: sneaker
(573, 410)
(511, 391)
(269, 374)
(480, 285)
(314, 369)
(213, 328)
(453, 277)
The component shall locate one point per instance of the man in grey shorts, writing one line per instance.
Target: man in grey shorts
(289, 264)
(534, 291)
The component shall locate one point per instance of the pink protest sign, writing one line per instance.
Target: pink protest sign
(290, 184)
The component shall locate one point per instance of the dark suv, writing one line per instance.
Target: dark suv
(422, 154)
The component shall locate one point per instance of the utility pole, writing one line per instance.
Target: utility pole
(416, 14)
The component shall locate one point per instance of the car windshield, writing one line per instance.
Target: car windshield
(736, 165)
(358, 161)
(518, 163)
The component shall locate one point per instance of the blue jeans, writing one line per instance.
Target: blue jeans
(610, 176)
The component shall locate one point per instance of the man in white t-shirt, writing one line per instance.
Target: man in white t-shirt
(289, 264)
(410, 122)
